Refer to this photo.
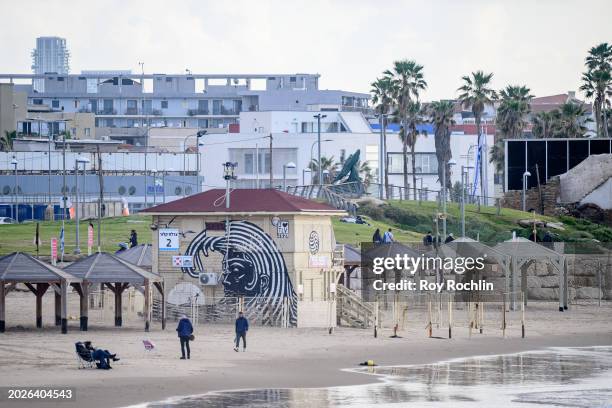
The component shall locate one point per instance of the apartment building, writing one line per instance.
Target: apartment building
(126, 105)
(50, 55)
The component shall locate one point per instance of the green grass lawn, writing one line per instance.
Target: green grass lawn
(20, 237)
(485, 225)
(355, 233)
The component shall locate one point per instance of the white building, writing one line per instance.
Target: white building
(294, 140)
(50, 55)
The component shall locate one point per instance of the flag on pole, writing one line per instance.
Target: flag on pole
(62, 242)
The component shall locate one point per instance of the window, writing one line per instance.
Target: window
(37, 101)
(202, 107)
(61, 79)
(202, 123)
(164, 104)
(122, 190)
(55, 103)
(216, 107)
(132, 190)
(249, 163)
(169, 79)
(87, 132)
(426, 163)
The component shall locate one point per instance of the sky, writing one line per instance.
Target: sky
(539, 43)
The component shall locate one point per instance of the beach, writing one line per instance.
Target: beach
(275, 357)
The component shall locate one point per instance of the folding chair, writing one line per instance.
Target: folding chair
(148, 345)
(84, 357)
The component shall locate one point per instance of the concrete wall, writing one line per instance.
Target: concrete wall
(317, 314)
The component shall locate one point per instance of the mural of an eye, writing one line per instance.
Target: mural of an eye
(252, 267)
(313, 242)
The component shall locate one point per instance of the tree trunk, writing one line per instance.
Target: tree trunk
(405, 154)
(479, 131)
(413, 155)
(386, 168)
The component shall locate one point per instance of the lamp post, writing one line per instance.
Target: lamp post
(312, 152)
(16, 214)
(228, 176)
(526, 174)
(84, 161)
(381, 155)
(464, 180)
(304, 171)
(318, 116)
(290, 165)
(154, 173)
(448, 164)
(198, 135)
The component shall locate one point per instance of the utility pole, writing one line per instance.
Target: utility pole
(101, 198)
(318, 116)
(271, 176)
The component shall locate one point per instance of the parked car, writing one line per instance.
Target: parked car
(6, 220)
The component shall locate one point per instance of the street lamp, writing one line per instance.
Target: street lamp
(198, 135)
(290, 165)
(525, 175)
(312, 151)
(83, 161)
(228, 176)
(318, 116)
(381, 154)
(306, 170)
(465, 170)
(450, 163)
(154, 172)
(14, 163)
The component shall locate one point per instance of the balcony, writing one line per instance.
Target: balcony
(131, 111)
(194, 112)
(107, 112)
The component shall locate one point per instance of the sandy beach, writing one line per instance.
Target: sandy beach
(280, 358)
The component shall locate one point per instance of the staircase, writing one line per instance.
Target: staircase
(351, 311)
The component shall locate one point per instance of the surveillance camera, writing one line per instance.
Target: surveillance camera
(153, 227)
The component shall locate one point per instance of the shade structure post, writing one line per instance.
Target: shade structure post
(64, 314)
(2, 307)
(118, 305)
(147, 304)
(58, 306)
(41, 288)
(84, 320)
(163, 308)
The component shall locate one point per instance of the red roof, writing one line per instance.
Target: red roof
(242, 201)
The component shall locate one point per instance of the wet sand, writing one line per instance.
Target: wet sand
(275, 358)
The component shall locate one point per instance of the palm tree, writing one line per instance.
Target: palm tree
(6, 141)
(597, 83)
(543, 122)
(382, 99)
(327, 164)
(498, 156)
(570, 121)
(365, 171)
(408, 81)
(441, 113)
(476, 94)
(511, 113)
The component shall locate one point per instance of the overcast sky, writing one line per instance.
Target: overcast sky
(540, 43)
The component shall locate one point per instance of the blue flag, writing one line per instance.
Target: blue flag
(62, 241)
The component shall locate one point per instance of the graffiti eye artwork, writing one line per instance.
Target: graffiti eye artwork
(252, 267)
(313, 242)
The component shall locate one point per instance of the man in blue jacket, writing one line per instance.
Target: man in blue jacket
(242, 326)
(185, 330)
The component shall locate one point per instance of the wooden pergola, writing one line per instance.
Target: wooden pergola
(37, 276)
(117, 275)
(523, 251)
(140, 255)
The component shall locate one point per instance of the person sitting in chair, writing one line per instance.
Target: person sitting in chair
(102, 357)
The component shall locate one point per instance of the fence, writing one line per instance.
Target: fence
(447, 313)
(224, 310)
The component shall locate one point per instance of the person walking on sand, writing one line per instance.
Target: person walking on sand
(185, 334)
(242, 326)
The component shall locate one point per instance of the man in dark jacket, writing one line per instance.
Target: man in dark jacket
(185, 330)
(242, 326)
(133, 239)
